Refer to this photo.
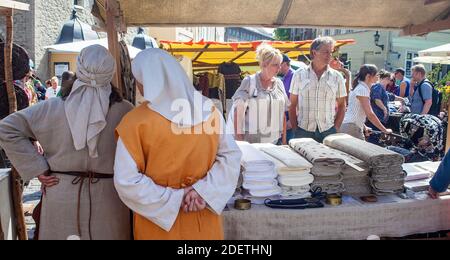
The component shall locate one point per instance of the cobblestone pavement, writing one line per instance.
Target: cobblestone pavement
(31, 196)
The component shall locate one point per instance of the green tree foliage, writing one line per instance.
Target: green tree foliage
(283, 34)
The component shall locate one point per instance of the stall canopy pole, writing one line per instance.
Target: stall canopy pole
(112, 13)
(8, 61)
(17, 189)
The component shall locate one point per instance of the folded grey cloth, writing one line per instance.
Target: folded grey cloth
(326, 162)
(386, 172)
(374, 155)
(336, 188)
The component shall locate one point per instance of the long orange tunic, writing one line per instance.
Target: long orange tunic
(175, 161)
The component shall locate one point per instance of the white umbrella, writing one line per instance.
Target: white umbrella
(76, 47)
(440, 54)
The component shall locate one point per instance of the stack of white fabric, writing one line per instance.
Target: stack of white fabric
(294, 171)
(327, 164)
(386, 172)
(258, 172)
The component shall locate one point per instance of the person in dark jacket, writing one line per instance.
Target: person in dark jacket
(21, 68)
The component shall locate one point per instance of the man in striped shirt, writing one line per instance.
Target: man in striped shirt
(315, 91)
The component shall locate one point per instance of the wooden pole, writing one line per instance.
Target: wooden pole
(8, 62)
(17, 192)
(112, 16)
(17, 189)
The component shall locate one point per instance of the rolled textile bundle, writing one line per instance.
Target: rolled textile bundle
(386, 173)
(329, 184)
(356, 181)
(297, 192)
(330, 188)
(395, 176)
(291, 159)
(326, 162)
(287, 161)
(374, 155)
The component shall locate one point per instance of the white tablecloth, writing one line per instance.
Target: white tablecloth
(390, 217)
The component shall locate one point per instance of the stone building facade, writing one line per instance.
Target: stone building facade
(41, 26)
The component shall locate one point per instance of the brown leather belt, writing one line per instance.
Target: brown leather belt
(80, 177)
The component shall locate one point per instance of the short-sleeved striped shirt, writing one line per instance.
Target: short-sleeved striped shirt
(317, 98)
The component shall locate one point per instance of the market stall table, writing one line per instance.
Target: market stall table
(390, 217)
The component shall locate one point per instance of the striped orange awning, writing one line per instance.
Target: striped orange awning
(204, 54)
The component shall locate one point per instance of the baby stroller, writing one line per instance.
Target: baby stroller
(423, 138)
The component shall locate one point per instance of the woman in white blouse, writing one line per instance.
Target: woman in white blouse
(359, 108)
(260, 103)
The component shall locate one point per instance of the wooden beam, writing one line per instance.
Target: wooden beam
(284, 11)
(296, 47)
(8, 63)
(426, 28)
(239, 56)
(112, 13)
(249, 49)
(17, 192)
(201, 52)
(429, 2)
(14, 5)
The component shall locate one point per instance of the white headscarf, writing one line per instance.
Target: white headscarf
(168, 89)
(88, 103)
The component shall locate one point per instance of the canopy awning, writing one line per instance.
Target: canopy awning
(76, 47)
(413, 16)
(437, 55)
(13, 5)
(204, 54)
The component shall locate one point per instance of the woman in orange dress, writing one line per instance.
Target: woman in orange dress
(175, 167)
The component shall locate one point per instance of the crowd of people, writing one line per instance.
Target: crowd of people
(169, 160)
(29, 88)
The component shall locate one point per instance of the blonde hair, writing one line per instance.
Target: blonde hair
(266, 53)
(54, 79)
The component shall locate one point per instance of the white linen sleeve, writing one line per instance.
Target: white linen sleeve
(220, 183)
(158, 204)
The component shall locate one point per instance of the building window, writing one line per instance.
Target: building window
(410, 55)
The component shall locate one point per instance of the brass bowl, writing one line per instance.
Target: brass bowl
(242, 204)
(334, 200)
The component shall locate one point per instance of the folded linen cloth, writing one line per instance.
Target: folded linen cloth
(260, 184)
(253, 159)
(300, 180)
(276, 190)
(295, 190)
(326, 162)
(374, 155)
